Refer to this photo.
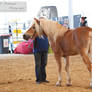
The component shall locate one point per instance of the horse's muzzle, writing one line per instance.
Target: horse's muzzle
(26, 37)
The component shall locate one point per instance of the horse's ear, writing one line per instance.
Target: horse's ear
(38, 22)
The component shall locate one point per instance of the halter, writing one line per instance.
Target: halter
(34, 34)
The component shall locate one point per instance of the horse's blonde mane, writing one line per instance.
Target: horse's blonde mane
(51, 28)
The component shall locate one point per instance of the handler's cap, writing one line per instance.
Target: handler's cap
(83, 18)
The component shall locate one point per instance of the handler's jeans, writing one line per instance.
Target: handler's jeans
(40, 66)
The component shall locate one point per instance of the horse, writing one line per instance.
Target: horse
(64, 43)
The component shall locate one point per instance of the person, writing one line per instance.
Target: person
(10, 40)
(83, 22)
(10, 32)
(40, 50)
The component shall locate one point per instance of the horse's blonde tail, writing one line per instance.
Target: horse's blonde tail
(90, 46)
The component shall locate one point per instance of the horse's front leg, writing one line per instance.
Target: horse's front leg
(59, 65)
(67, 71)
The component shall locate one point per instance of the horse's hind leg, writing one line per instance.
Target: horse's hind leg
(67, 71)
(88, 63)
(91, 77)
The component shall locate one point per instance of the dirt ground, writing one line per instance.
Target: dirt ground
(17, 75)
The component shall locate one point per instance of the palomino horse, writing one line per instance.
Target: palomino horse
(64, 43)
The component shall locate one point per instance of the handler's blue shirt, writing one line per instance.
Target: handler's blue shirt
(40, 44)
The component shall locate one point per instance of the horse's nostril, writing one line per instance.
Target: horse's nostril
(26, 37)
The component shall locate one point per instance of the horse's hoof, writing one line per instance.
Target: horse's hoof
(90, 87)
(68, 84)
(58, 84)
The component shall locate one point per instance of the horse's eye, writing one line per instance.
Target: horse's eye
(34, 27)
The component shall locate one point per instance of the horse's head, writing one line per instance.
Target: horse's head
(35, 30)
(30, 33)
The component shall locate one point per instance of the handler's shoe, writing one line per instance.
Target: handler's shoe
(38, 82)
(46, 81)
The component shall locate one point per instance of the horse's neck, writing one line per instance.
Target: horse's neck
(53, 29)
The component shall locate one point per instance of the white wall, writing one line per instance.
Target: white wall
(79, 6)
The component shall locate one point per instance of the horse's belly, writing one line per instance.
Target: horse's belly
(70, 51)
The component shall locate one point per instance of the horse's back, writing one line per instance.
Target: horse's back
(74, 40)
(81, 36)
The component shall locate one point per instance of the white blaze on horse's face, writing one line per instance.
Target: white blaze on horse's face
(38, 27)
